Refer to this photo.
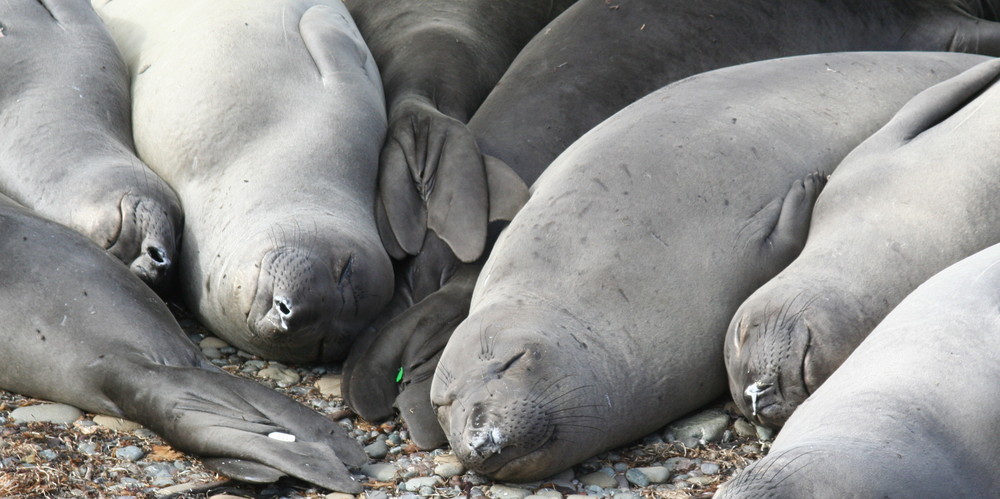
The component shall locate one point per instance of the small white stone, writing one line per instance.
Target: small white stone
(284, 437)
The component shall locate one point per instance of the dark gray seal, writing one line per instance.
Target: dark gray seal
(266, 117)
(600, 314)
(916, 197)
(439, 59)
(81, 330)
(66, 135)
(911, 413)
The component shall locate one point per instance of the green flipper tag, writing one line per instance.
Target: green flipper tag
(399, 375)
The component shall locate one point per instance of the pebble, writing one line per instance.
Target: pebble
(377, 450)
(655, 474)
(448, 470)
(117, 424)
(212, 353)
(625, 495)
(600, 479)
(710, 468)
(329, 384)
(764, 433)
(546, 493)
(707, 425)
(744, 428)
(381, 472)
(281, 375)
(130, 453)
(701, 480)
(212, 342)
(376, 494)
(48, 413)
(338, 495)
(88, 448)
(508, 492)
(637, 478)
(255, 364)
(48, 455)
(414, 484)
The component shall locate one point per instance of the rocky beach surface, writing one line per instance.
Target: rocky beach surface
(53, 450)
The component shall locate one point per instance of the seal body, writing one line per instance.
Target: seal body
(911, 412)
(912, 199)
(66, 147)
(597, 58)
(81, 330)
(599, 316)
(266, 118)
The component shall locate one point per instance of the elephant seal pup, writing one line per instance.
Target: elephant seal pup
(911, 413)
(916, 197)
(599, 316)
(79, 329)
(439, 59)
(66, 135)
(596, 58)
(276, 174)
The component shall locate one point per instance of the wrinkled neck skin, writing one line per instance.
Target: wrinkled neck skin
(524, 392)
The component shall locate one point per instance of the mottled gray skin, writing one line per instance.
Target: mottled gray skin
(917, 196)
(266, 117)
(66, 135)
(911, 413)
(439, 59)
(600, 314)
(597, 58)
(81, 330)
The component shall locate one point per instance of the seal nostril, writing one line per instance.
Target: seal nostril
(156, 254)
(283, 307)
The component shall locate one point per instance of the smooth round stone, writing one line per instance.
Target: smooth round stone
(764, 433)
(88, 448)
(212, 342)
(130, 453)
(655, 474)
(448, 470)
(710, 468)
(376, 494)
(508, 492)
(144, 433)
(117, 424)
(255, 364)
(381, 472)
(160, 470)
(545, 494)
(338, 495)
(709, 426)
(162, 481)
(625, 495)
(48, 455)
(426, 491)
(281, 375)
(212, 353)
(701, 480)
(744, 428)
(330, 384)
(620, 467)
(637, 478)
(377, 450)
(415, 484)
(599, 479)
(46, 413)
(577, 496)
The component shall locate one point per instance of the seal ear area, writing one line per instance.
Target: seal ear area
(932, 106)
(335, 43)
(780, 228)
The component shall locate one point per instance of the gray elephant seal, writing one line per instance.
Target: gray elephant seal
(439, 59)
(916, 197)
(597, 58)
(66, 135)
(277, 175)
(81, 330)
(600, 314)
(895, 420)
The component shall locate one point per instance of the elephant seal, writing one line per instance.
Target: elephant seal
(598, 57)
(81, 330)
(276, 174)
(914, 198)
(66, 135)
(600, 314)
(895, 420)
(439, 59)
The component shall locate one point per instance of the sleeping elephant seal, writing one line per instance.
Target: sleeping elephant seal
(439, 59)
(79, 329)
(598, 57)
(916, 197)
(66, 135)
(266, 117)
(911, 413)
(599, 316)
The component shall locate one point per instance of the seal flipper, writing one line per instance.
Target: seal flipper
(329, 34)
(780, 228)
(232, 421)
(507, 191)
(421, 420)
(246, 471)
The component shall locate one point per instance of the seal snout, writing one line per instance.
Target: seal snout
(756, 393)
(486, 442)
(153, 264)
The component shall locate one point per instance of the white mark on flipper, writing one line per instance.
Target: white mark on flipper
(283, 437)
(63, 323)
(606, 397)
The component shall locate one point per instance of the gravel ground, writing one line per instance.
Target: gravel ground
(103, 458)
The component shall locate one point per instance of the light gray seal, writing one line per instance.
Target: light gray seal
(599, 316)
(66, 135)
(916, 197)
(266, 117)
(911, 413)
(81, 330)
